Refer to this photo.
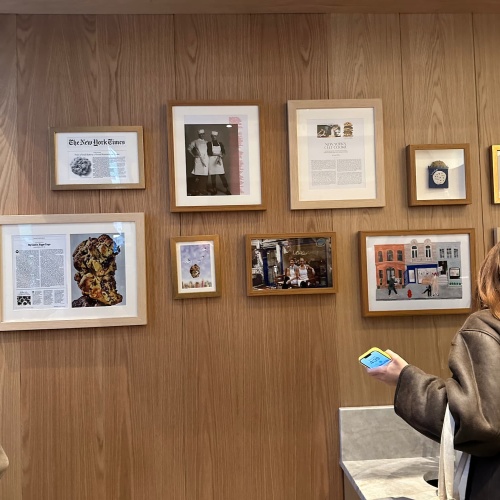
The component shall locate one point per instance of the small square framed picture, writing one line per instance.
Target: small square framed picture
(196, 266)
(438, 174)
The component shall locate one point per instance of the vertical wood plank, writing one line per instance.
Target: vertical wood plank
(440, 107)
(142, 366)
(486, 39)
(365, 62)
(62, 402)
(10, 371)
(275, 356)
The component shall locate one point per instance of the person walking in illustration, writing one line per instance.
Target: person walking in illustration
(392, 285)
(198, 150)
(216, 152)
(435, 285)
(428, 290)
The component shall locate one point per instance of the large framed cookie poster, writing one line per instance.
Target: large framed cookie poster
(72, 271)
(97, 158)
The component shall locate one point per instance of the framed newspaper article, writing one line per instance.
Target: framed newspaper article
(196, 269)
(214, 156)
(72, 271)
(422, 272)
(290, 264)
(336, 153)
(97, 158)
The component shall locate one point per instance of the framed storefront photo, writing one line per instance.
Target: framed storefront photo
(438, 174)
(406, 273)
(289, 264)
(196, 270)
(336, 153)
(214, 156)
(97, 158)
(72, 271)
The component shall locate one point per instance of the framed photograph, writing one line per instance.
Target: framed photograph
(214, 156)
(72, 271)
(495, 153)
(336, 153)
(288, 264)
(438, 174)
(196, 266)
(97, 158)
(408, 273)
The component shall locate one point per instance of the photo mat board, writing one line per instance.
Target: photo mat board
(417, 272)
(288, 264)
(97, 158)
(196, 266)
(72, 271)
(438, 174)
(336, 151)
(215, 156)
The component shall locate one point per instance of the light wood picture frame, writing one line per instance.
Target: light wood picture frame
(291, 263)
(72, 271)
(495, 154)
(438, 174)
(110, 157)
(336, 153)
(421, 272)
(196, 266)
(214, 156)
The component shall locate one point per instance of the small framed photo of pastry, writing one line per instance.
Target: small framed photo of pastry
(438, 174)
(196, 269)
(72, 271)
(214, 156)
(289, 264)
(97, 158)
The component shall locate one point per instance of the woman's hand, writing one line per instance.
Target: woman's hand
(389, 373)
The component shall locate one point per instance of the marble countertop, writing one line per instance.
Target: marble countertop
(383, 457)
(395, 479)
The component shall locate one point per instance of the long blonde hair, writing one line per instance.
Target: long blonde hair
(488, 282)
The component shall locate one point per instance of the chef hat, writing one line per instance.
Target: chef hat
(215, 133)
(201, 131)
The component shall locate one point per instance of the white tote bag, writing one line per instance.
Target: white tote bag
(453, 465)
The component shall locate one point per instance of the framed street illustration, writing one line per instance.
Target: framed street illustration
(97, 158)
(438, 174)
(72, 271)
(196, 268)
(336, 153)
(289, 264)
(417, 272)
(214, 156)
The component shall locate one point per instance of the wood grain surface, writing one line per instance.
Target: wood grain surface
(232, 397)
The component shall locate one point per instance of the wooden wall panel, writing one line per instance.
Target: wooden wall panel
(440, 107)
(486, 40)
(230, 397)
(365, 62)
(10, 381)
(267, 349)
(143, 371)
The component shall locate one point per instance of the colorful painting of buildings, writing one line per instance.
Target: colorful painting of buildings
(416, 262)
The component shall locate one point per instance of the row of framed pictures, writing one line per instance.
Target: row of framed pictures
(63, 271)
(336, 151)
